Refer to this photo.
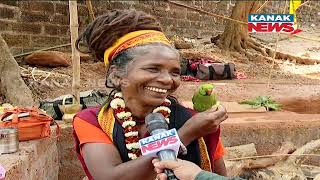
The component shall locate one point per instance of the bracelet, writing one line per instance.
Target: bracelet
(183, 149)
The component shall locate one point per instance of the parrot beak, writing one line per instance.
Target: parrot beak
(209, 92)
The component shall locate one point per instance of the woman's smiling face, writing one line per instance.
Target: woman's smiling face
(152, 76)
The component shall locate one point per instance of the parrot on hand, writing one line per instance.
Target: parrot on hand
(204, 98)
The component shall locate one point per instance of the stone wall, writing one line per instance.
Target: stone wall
(69, 165)
(30, 25)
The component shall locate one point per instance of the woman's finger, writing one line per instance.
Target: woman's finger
(158, 170)
(219, 113)
(222, 109)
(214, 123)
(223, 118)
(162, 176)
(155, 160)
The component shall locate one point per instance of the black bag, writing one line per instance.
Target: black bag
(216, 71)
(87, 99)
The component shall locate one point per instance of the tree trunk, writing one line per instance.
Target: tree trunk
(11, 84)
(235, 36)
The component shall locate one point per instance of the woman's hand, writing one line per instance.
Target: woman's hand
(208, 121)
(202, 124)
(182, 169)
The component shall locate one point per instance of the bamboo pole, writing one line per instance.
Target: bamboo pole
(75, 54)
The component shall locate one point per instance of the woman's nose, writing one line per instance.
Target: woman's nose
(165, 78)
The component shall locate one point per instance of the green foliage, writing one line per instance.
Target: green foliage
(263, 101)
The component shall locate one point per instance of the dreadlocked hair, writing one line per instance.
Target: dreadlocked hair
(106, 29)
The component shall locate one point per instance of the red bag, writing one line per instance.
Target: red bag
(31, 123)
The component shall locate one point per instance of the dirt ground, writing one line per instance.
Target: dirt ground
(296, 87)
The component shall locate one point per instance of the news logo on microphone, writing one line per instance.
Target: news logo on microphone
(151, 145)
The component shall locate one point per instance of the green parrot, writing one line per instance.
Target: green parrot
(204, 98)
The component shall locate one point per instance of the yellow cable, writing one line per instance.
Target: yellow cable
(206, 12)
(262, 5)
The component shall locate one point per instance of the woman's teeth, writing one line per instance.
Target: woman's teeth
(157, 89)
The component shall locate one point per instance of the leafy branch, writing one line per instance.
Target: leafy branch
(263, 101)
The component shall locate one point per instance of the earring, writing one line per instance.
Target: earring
(115, 80)
(124, 83)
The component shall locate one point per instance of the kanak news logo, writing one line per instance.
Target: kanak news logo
(266, 23)
(159, 141)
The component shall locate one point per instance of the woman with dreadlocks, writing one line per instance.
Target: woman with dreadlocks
(143, 70)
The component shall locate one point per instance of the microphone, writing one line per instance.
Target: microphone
(162, 143)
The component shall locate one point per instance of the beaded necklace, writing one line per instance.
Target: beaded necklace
(128, 123)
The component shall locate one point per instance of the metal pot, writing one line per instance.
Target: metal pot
(9, 141)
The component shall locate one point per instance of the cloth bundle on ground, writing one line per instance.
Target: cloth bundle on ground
(90, 98)
(32, 123)
(48, 58)
(207, 69)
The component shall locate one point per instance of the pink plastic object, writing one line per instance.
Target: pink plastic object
(2, 173)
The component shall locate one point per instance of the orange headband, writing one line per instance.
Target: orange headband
(132, 39)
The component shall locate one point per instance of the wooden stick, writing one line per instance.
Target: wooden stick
(285, 148)
(241, 151)
(307, 148)
(271, 155)
(44, 49)
(90, 9)
(41, 72)
(75, 54)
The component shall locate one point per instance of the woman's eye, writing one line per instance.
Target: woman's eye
(176, 73)
(152, 69)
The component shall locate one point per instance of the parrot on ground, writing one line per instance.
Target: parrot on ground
(204, 98)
